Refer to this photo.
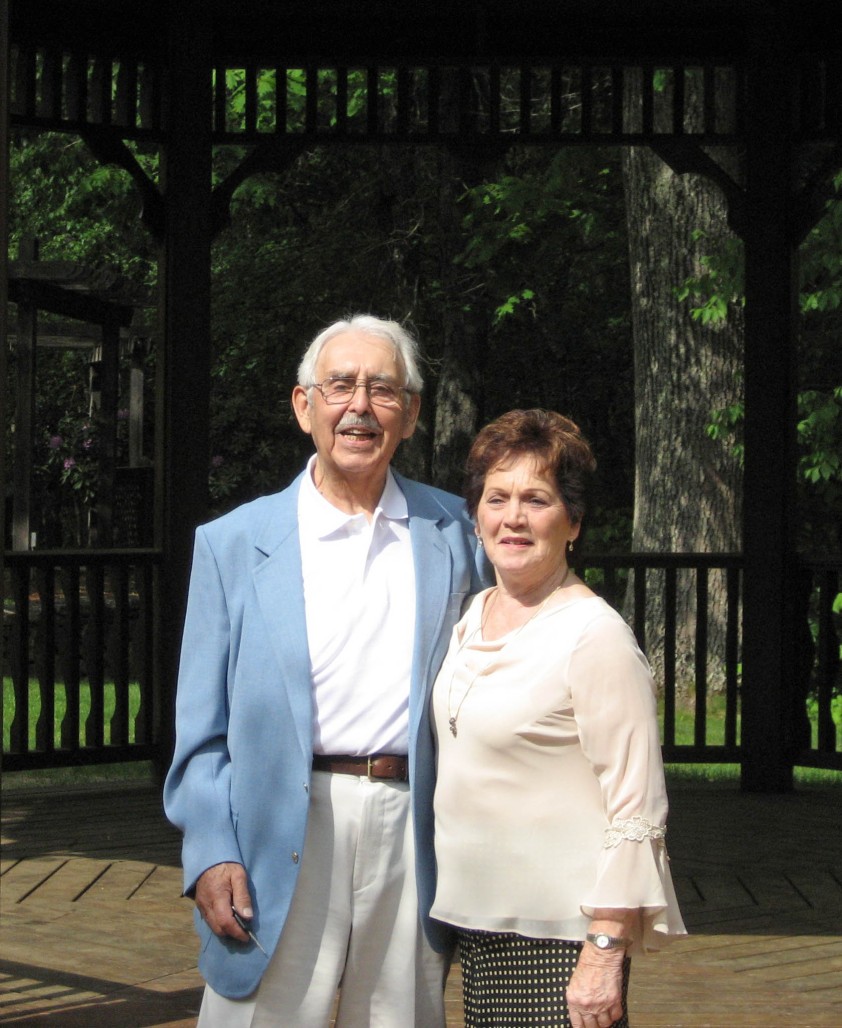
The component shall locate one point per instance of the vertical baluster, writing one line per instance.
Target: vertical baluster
(617, 99)
(311, 101)
(143, 653)
(372, 102)
(95, 655)
(434, 101)
(640, 602)
(467, 124)
(701, 656)
(525, 95)
(403, 102)
(679, 83)
(709, 102)
(99, 111)
(70, 724)
(828, 660)
(119, 651)
(19, 728)
(281, 102)
(732, 652)
(220, 99)
(587, 101)
(832, 99)
(341, 101)
(670, 621)
(250, 86)
(51, 80)
(45, 661)
(648, 100)
(126, 99)
(25, 88)
(76, 88)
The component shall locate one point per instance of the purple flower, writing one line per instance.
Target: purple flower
(123, 414)
(55, 442)
(87, 443)
(217, 461)
(69, 463)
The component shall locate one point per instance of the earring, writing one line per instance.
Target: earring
(479, 540)
(569, 545)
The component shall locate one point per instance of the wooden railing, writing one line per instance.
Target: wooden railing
(65, 89)
(79, 631)
(78, 634)
(708, 679)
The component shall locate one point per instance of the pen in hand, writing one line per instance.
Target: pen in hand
(244, 925)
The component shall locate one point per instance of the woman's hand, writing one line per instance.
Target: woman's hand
(595, 992)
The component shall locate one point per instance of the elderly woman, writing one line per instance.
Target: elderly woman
(550, 805)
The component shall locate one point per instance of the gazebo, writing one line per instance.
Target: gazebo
(119, 71)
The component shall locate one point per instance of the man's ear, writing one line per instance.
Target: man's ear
(301, 407)
(410, 419)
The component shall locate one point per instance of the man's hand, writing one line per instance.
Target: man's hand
(217, 890)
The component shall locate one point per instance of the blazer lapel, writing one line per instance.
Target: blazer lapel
(433, 577)
(278, 586)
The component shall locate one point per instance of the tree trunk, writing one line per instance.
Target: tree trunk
(687, 485)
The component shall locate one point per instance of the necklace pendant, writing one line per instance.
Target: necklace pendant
(453, 727)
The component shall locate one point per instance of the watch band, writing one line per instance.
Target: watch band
(603, 941)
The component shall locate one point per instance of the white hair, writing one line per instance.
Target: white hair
(405, 346)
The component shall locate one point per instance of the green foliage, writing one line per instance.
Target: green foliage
(78, 209)
(719, 286)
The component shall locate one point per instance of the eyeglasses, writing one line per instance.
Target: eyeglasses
(342, 390)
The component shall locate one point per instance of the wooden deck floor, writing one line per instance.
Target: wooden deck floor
(94, 934)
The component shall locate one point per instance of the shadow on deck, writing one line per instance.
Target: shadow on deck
(95, 935)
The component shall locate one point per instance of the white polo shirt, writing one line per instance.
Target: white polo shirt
(359, 600)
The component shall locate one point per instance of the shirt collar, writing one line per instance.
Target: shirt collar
(323, 519)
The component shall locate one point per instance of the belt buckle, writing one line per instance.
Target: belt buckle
(368, 769)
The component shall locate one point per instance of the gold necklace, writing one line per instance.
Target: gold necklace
(453, 717)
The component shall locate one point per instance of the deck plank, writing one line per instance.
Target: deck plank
(94, 932)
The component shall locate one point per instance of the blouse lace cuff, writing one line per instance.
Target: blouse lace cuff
(634, 829)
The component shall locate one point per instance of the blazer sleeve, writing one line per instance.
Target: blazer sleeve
(197, 788)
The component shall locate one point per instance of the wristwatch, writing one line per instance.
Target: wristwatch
(603, 941)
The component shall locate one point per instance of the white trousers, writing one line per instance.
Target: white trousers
(353, 924)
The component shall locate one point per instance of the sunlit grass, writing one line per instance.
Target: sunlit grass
(60, 709)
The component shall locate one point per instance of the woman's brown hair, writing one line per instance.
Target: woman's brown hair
(555, 443)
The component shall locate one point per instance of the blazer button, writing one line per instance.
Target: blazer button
(294, 857)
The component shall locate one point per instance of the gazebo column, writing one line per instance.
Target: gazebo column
(770, 423)
(184, 377)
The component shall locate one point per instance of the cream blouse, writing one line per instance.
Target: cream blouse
(550, 800)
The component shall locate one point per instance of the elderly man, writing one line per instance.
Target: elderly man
(303, 771)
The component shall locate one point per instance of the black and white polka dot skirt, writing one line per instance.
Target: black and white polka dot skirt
(510, 981)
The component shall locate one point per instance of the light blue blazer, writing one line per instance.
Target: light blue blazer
(239, 784)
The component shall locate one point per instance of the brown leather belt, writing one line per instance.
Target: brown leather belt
(386, 766)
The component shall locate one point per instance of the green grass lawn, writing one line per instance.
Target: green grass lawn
(143, 771)
(109, 703)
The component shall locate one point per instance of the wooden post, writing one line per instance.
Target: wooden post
(138, 351)
(105, 422)
(26, 351)
(184, 358)
(4, 244)
(770, 458)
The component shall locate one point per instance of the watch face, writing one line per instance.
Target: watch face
(602, 941)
